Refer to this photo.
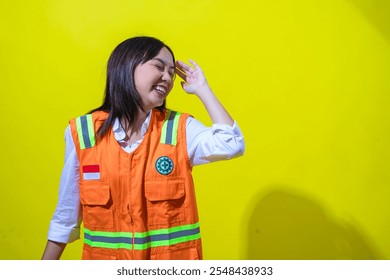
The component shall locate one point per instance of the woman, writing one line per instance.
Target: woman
(127, 173)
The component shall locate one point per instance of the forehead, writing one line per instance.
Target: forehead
(164, 56)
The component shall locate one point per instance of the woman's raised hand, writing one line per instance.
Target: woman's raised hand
(194, 80)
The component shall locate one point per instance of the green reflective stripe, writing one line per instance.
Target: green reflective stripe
(168, 242)
(142, 240)
(141, 234)
(90, 130)
(108, 245)
(170, 128)
(164, 127)
(85, 131)
(175, 128)
(142, 246)
(80, 133)
(166, 230)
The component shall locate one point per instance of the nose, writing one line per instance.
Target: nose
(167, 77)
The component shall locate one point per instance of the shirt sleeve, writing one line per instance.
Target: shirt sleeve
(65, 223)
(210, 144)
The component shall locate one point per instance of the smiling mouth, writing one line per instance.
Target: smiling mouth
(160, 90)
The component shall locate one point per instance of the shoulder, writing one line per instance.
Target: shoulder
(92, 119)
(170, 113)
(83, 128)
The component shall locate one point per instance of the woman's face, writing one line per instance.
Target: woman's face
(154, 79)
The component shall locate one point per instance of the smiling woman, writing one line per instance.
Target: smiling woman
(154, 79)
(127, 173)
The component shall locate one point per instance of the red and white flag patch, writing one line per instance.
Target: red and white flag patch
(91, 172)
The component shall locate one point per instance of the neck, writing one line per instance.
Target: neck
(137, 124)
(140, 119)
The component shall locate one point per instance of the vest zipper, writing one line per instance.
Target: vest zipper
(132, 231)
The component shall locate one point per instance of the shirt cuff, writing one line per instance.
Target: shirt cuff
(227, 129)
(63, 234)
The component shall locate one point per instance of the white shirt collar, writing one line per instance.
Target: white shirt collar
(120, 133)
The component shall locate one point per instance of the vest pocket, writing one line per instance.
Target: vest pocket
(190, 253)
(165, 201)
(96, 202)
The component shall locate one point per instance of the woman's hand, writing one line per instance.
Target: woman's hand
(194, 81)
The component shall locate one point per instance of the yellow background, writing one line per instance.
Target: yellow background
(307, 81)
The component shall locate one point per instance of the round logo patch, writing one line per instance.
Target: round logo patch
(164, 165)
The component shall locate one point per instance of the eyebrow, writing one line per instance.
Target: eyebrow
(163, 62)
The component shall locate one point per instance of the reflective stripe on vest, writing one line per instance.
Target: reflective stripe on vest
(85, 131)
(169, 128)
(142, 240)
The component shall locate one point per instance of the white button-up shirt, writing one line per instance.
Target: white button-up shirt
(204, 145)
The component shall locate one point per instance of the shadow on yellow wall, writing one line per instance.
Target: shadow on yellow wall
(377, 12)
(290, 226)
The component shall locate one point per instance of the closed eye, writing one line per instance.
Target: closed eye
(159, 67)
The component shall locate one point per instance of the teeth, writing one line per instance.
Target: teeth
(161, 89)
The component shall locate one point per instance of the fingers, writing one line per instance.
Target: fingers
(180, 73)
(187, 68)
(183, 85)
(197, 67)
(183, 67)
(183, 70)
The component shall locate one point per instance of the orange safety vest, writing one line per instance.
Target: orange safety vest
(140, 205)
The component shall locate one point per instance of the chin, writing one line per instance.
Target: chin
(158, 104)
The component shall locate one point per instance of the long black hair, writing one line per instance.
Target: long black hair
(121, 98)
